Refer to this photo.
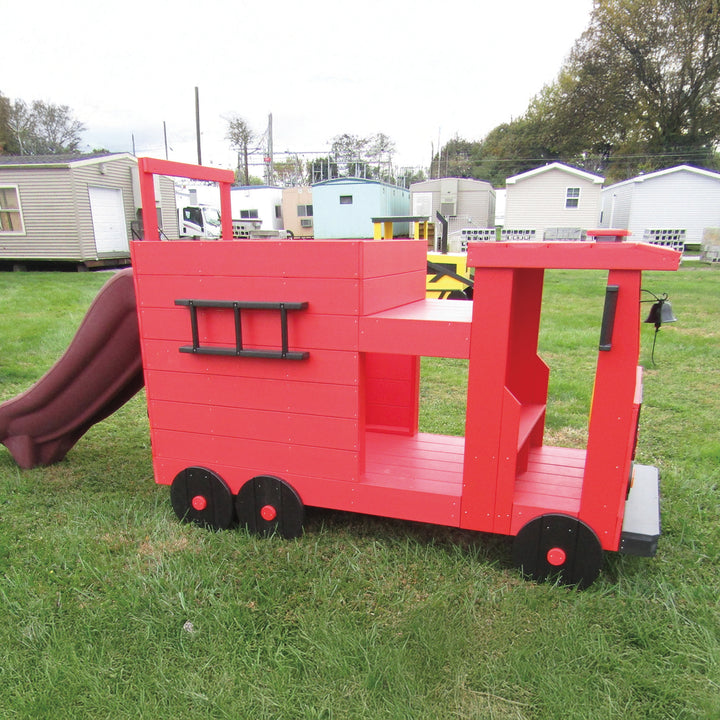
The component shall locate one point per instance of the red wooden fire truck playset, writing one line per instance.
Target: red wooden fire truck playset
(285, 374)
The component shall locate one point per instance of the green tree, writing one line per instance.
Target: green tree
(517, 146)
(40, 128)
(641, 88)
(406, 176)
(22, 127)
(291, 172)
(369, 157)
(457, 158)
(346, 152)
(56, 130)
(379, 152)
(7, 146)
(322, 168)
(508, 149)
(639, 91)
(240, 136)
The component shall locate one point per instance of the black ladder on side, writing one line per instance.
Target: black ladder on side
(239, 350)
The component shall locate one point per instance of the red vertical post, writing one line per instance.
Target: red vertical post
(612, 415)
(506, 381)
(147, 195)
(225, 211)
(489, 347)
(526, 383)
(148, 167)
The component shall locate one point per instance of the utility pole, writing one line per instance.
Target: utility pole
(197, 123)
(270, 170)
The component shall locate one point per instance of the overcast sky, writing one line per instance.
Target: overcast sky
(418, 71)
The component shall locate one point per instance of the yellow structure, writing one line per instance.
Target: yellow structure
(383, 226)
(447, 273)
(447, 276)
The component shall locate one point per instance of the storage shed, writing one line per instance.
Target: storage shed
(73, 208)
(555, 199)
(465, 203)
(678, 202)
(344, 207)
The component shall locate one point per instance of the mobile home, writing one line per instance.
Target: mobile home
(74, 208)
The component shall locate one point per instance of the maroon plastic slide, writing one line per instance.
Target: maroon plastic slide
(100, 370)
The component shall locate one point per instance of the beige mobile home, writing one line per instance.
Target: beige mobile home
(297, 211)
(465, 203)
(78, 209)
(556, 201)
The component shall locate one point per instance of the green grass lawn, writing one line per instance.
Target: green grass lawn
(111, 608)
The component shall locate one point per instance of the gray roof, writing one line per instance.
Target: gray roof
(56, 160)
(666, 171)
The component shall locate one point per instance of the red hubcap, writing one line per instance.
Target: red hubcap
(268, 513)
(199, 502)
(556, 556)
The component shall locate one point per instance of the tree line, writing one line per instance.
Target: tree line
(640, 91)
(38, 128)
(369, 156)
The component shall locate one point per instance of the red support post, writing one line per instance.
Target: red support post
(147, 194)
(151, 166)
(611, 430)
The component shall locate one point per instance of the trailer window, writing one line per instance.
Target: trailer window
(572, 197)
(11, 220)
(346, 199)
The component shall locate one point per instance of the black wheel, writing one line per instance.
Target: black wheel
(199, 495)
(267, 505)
(558, 547)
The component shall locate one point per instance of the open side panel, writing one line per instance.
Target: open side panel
(392, 389)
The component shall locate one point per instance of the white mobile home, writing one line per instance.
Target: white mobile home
(552, 199)
(681, 201)
(258, 202)
(465, 203)
(80, 208)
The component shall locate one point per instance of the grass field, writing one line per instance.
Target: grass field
(111, 608)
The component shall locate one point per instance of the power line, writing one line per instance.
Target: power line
(612, 156)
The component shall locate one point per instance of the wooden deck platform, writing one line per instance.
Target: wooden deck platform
(421, 478)
(413, 478)
(552, 483)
